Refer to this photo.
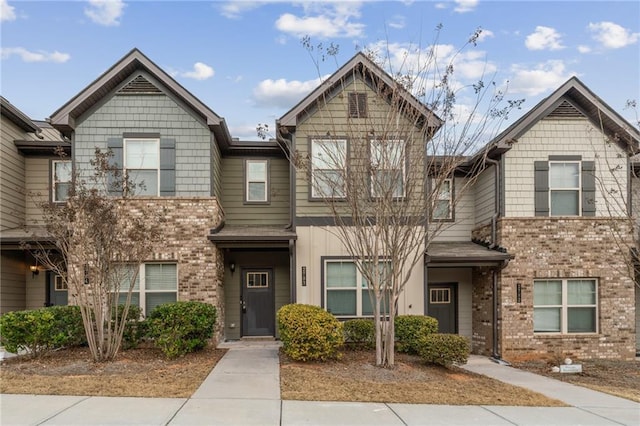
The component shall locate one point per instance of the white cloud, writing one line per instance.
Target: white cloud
(485, 34)
(7, 12)
(200, 71)
(105, 12)
(543, 78)
(397, 22)
(464, 6)
(29, 56)
(544, 38)
(440, 5)
(584, 48)
(331, 19)
(282, 93)
(611, 35)
(235, 9)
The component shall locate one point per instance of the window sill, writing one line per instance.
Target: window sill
(553, 335)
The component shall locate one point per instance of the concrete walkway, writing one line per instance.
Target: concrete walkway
(244, 389)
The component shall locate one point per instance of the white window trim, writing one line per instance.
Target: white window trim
(265, 199)
(564, 307)
(142, 287)
(157, 169)
(578, 188)
(343, 169)
(55, 181)
(404, 165)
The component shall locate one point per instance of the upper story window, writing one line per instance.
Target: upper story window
(357, 105)
(443, 202)
(388, 167)
(256, 181)
(142, 165)
(328, 168)
(565, 306)
(61, 175)
(564, 188)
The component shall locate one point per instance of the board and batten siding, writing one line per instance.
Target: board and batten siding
(314, 242)
(150, 114)
(552, 136)
(239, 213)
(332, 118)
(12, 182)
(13, 269)
(460, 229)
(278, 260)
(462, 277)
(485, 196)
(37, 188)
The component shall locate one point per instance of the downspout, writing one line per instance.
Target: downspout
(496, 207)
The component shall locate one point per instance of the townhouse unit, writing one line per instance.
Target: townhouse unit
(528, 262)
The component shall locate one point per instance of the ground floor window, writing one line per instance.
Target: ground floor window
(565, 306)
(156, 283)
(346, 290)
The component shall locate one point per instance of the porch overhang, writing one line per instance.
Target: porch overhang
(14, 239)
(464, 253)
(231, 236)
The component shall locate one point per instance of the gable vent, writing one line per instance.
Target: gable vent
(139, 85)
(565, 110)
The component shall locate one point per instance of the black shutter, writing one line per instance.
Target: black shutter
(588, 188)
(541, 179)
(167, 167)
(116, 161)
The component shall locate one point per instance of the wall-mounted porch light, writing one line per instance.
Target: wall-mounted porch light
(34, 271)
(232, 266)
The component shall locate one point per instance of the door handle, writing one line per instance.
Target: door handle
(244, 306)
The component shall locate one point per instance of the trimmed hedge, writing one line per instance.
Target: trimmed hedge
(444, 349)
(309, 333)
(181, 327)
(359, 333)
(409, 328)
(42, 330)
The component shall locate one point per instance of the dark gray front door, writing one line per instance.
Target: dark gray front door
(258, 304)
(57, 291)
(443, 306)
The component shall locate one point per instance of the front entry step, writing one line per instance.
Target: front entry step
(258, 338)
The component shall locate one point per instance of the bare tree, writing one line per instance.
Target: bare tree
(96, 244)
(388, 178)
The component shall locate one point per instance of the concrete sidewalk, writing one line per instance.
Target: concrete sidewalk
(243, 389)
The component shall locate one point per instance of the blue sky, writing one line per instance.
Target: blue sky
(245, 60)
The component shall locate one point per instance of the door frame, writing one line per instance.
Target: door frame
(243, 289)
(454, 290)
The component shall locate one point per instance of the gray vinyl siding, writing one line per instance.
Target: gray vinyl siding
(12, 178)
(216, 169)
(279, 261)
(37, 188)
(485, 196)
(12, 274)
(239, 213)
(36, 288)
(150, 114)
(332, 118)
(460, 229)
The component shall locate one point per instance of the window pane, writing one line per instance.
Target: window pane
(547, 293)
(125, 274)
(581, 320)
(341, 274)
(441, 210)
(328, 154)
(328, 183)
(62, 191)
(155, 299)
(142, 154)
(564, 203)
(256, 170)
(161, 276)
(387, 182)
(257, 191)
(341, 302)
(135, 298)
(146, 181)
(581, 292)
(367, 307)
(63, 171)
(546, 320)
(564, 175)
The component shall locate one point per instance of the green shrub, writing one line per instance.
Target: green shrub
(444, 349)
(181, 327)
(134, 329)
(309, 333)
(42, 330)
(360, 333)
(409, 328)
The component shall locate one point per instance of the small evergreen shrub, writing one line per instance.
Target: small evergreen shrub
(135, 328)
(359, 333)
(309, 333)
(42, 330)
(181, 327)
(444, 349)
(409, 328)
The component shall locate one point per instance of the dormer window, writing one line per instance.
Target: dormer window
(357, 105)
